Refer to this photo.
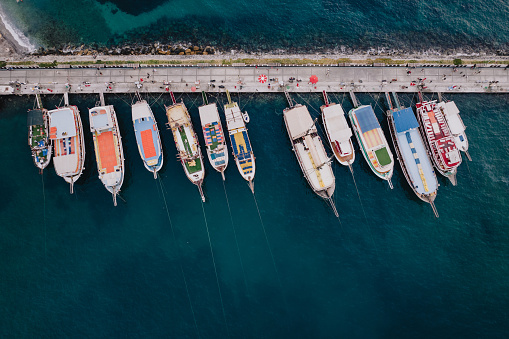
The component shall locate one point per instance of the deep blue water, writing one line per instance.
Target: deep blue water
(75, 266)
(298, 25)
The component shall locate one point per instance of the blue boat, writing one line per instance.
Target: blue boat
(412, 154)
(147, 136)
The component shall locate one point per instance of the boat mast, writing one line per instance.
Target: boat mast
(66, 99)
(201, 191)
(137, 94)
(396, 100)
(420, 96)
(389, 101)
(290, 101)
(114, 197)
(39, 100)
(101, 98)
(331, 202)
(468, 156)
(325, 98)
(204, 97)
(173, 98)
(228, 96)
(433, 207)
(355, 102)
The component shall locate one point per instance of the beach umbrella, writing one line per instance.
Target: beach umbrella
(193, 89)
(313, 79)
(262, 78)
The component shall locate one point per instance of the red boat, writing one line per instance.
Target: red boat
(440, 141)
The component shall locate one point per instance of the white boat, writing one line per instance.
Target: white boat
(242, 152)
(339, 133)
(412, 154)
(186, 141)
(38, 137)
(109, 153)
(215, 142)
(372, 141)
(308, 148)
(147, 136)
(66, 133)
(452, 115)
(441, 147)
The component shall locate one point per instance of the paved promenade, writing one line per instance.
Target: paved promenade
(239, 78)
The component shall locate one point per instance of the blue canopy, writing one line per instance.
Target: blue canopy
(405, 120)
(367, 119)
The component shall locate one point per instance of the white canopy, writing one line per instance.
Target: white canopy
(452, 114)
(63, 120)
(233, 116)
(141, 110)
(335, 121)
(208, 114)
(100, 118)
(299, 122)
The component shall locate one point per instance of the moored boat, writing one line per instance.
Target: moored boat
(412, 154)
(38, 137)
(66, 133)
(338, 132)
(186, 141)
(452, 115)
(147, 136)
(109, 153)
(215, 142)
(308, 148)
(242, 151)
(439, 140)
(372, 141)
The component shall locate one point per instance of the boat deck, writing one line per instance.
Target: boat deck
(64, 133)
(417, 162)
(177, 115)
(146, 137)
(242, 150)
(312, 156)
(371, 135)
(107, 152)
(213, 135)
(38, 136)
(439, 136)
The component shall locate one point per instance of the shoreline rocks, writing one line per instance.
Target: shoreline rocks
(135, 49)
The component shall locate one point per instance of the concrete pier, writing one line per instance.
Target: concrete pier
(241, 78)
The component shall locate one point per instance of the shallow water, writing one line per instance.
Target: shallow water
(73, 265)
(267, 25)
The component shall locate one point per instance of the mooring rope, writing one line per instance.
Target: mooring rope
(215, 269)
(44, 213)
(179, 255)
(235, 235)
(271, 255)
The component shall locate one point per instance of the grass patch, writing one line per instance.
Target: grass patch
(21, 63)
(48, 64)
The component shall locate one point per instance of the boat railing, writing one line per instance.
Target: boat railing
(399, 155)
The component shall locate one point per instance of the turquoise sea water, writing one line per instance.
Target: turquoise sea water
(75, 266)
(298, 25)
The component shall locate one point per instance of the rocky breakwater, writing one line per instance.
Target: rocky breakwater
(138, 49)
